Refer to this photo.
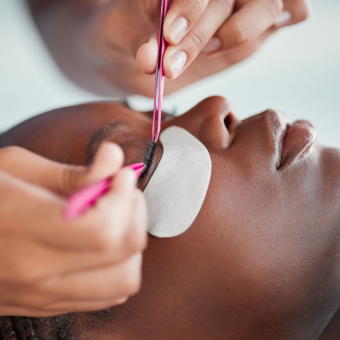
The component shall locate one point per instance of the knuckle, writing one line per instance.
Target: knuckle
(49, 307)
(121, 226)
(193, 10)
(109, 236)
(197, 42)
(200, 6)
(239, 35)
(106, 239)
(68, 179)
(132, 280)
(97, 232)
(26, 275)
(109, 230)
(136, 240)
(225, 5)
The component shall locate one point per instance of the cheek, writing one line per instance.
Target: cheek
(245, 245)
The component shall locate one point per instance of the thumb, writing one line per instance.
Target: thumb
(147, 56)
(108, 160)
(60, 178)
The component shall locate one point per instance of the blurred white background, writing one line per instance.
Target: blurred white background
(296, 71)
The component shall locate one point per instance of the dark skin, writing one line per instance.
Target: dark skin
(261, 259)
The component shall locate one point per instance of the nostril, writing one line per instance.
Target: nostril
(230, 122)
(227, 121)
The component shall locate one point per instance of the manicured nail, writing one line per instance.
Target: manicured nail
(177, 62)
(178, 29)
(213, 45)
(283, 19)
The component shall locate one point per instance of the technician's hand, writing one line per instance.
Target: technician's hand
(214, 27)
(48, 266)
(104, 45)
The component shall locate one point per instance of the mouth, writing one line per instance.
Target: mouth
(296, 142)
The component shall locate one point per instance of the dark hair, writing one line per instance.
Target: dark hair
(24, 328)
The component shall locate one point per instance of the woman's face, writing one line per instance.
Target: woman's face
(261, 260)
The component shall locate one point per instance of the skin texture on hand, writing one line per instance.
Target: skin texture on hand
(49, 266)
(261, 260)
(110, 47)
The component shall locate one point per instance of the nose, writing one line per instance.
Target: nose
(212, 121)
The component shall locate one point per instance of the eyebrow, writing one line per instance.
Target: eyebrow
(97, 138)
(100, 135)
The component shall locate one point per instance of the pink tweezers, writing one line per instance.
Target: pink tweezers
(159, 81)
(81, 200)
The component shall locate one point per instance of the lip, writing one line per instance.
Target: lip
(297, 141)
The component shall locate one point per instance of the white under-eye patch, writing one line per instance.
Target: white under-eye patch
(177, 189)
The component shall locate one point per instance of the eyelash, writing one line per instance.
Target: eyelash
(149, 152)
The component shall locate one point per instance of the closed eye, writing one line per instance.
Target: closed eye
(149, 152)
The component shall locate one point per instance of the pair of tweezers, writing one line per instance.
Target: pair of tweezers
(159, 78)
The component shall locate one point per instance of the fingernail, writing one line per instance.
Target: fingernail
(177, 62)
(178, 29)
(213, 45)
(283, 19)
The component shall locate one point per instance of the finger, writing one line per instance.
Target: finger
(119, 206)
(68, 179)
(178, 58)
(62, 179)
(108, 160)
(245, 51)
(147, 56)
(248, 23)
(293, 12)
(32, 168)
(111, 283)
(67, 307)
(116, 244)
(80, 306)
(181, 18)
(101, 228)
(118, 209)
(136, 236)
(119, 245)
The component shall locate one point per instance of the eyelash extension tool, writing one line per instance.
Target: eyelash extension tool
(159, 78)
(81, 200)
